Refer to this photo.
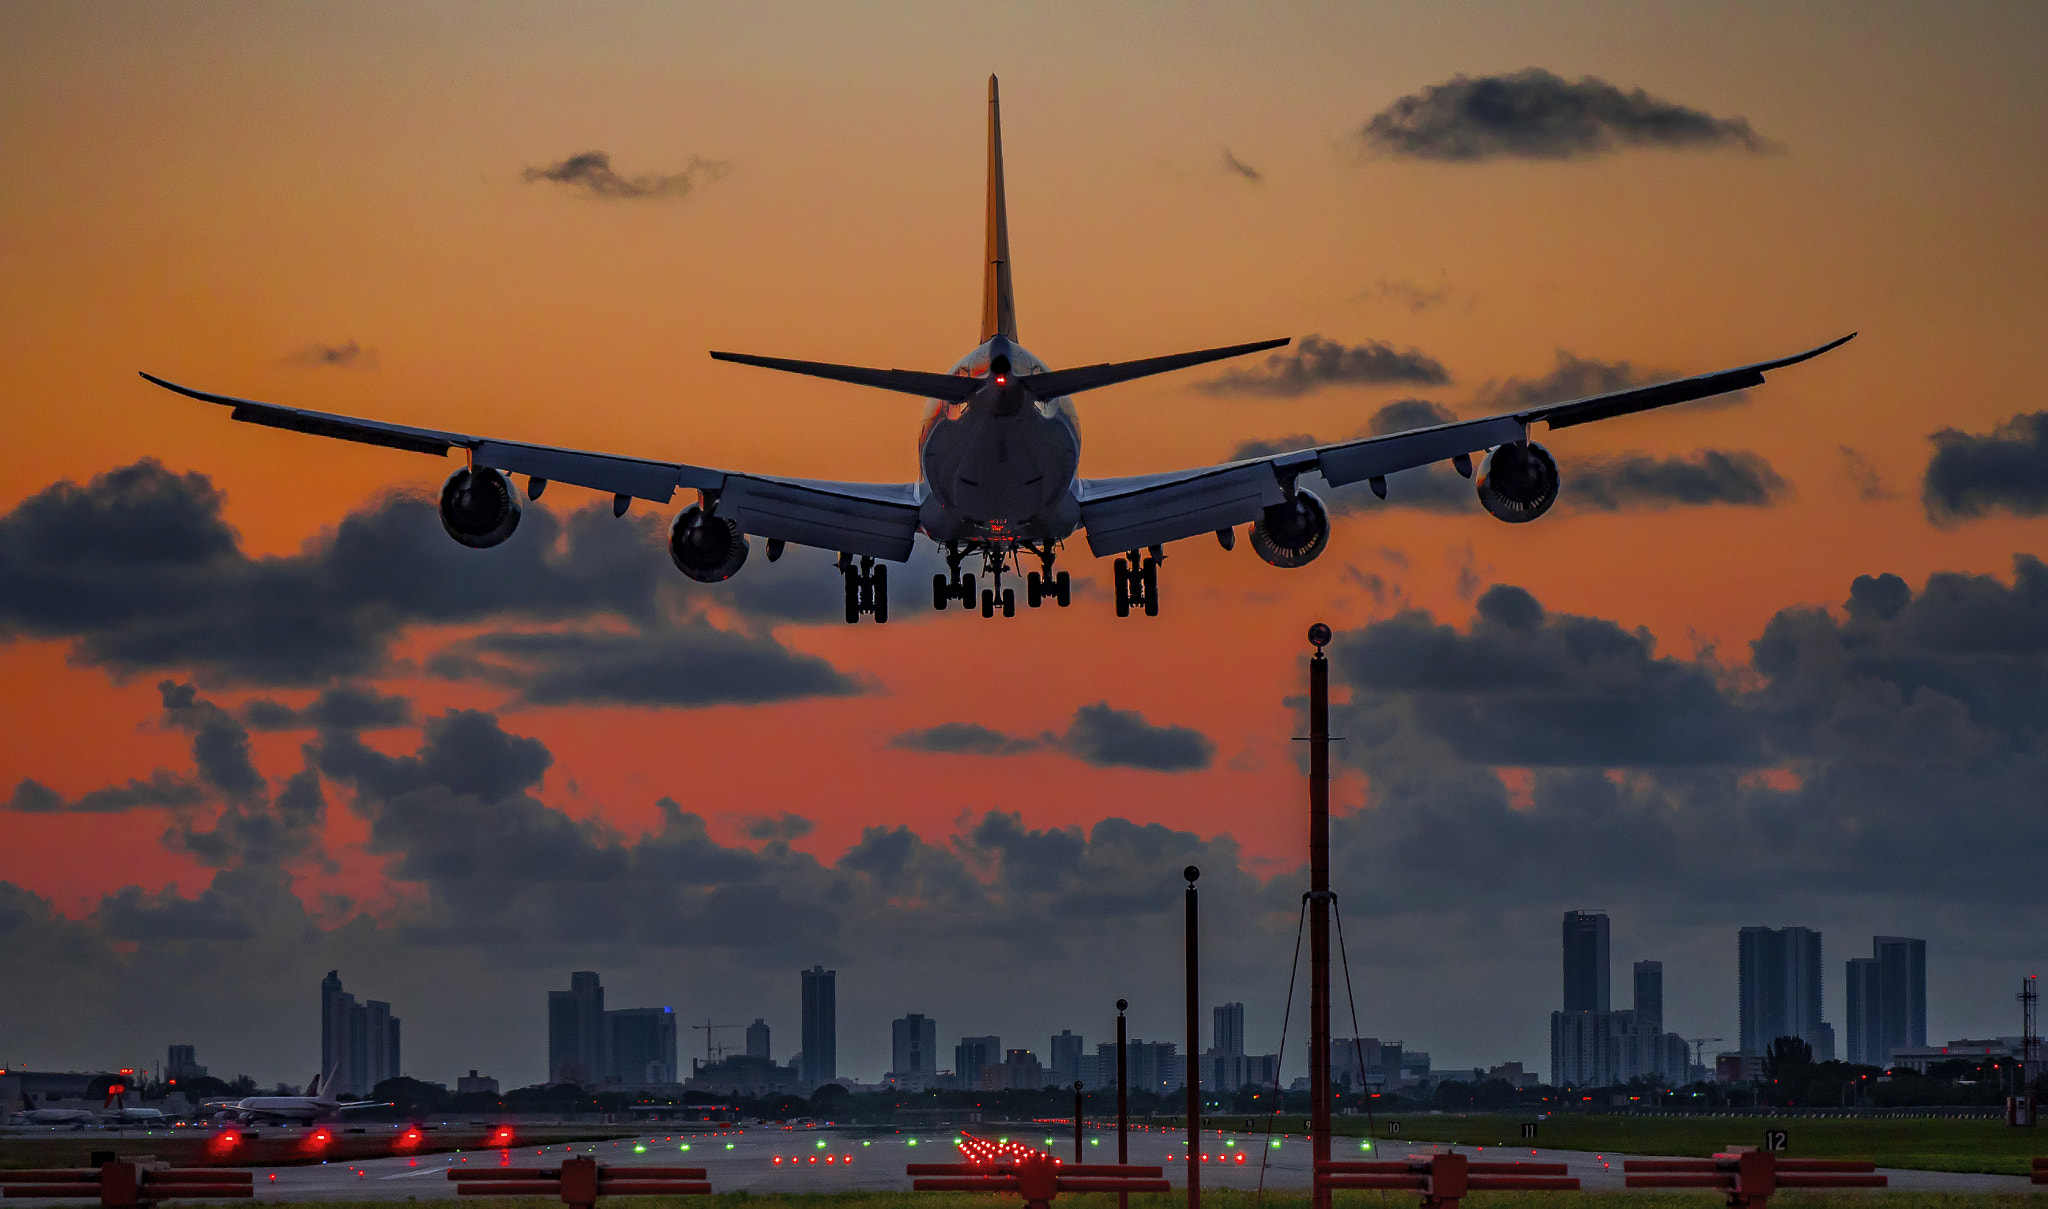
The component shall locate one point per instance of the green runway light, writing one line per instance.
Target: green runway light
(1276, 1143)
(867, 1143)
(1095, 1141)
(821, 1146)
(643, 1149)
(1230, 1143)
(728, 1146)
(684, 1146)
(913, 1141)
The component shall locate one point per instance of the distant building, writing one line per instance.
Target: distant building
(820, 1055)
(473, 1083)
(183, 1063)
(1065, 1070)
(1585, 961)
(757, 1039)
(576, 1032)
(974, 1055)
(1020, 1071)
(1154, 1066)
(1975, 1050)
(1366, 1063)
(1649, 990)
(358, 1041)
(914, 1046)
(1779, 989)
(1738, 1067)
(743, 1076)
(1864, 1007)
(640, 1044)
(1901, 992)
(1226, 1033)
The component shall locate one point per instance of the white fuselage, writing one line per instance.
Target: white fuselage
(1001, 466)
(283, 1108)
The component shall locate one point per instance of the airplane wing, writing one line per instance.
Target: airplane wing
(1148, 510)
(878, 519)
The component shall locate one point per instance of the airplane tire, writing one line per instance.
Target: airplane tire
(852, 601)
(1009, 602)
(988, 603)
(1123, 588)
(1033, 589)
(878, 583)
(1151, 581)
(940, 593)
(1063, 589)
(967, 591)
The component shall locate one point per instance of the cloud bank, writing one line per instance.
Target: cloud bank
(1534, 114)
(590, 174)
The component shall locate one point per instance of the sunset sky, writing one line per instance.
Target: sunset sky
(263, 719)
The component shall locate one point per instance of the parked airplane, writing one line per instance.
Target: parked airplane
(31, 1115)
(999, 461)
(313, 1106)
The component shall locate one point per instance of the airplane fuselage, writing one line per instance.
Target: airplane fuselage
(1000, 468)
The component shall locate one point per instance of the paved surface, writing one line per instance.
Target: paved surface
(835, 1160)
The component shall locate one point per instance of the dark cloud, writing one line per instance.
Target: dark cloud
(162, 789)
(1972, 475)
(783, 827)
(343, 707)
(689, 663)
(1640, 480)
(1863, 476)
(1270, 448)
(346, 355)
(966, 739)
(1404, 414)
(1232, 164)
(1312, 363)
(140, 572)
(1414, 296)
(1121, 738)
(1573, 377)
(1534, 114)
(591, 174)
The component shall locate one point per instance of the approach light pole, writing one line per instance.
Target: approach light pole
(1123, 1102)
(1319, 914)
(1193, 1065)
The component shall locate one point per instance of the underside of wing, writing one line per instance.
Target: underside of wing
(875, 519)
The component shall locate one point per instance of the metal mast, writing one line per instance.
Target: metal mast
(1319, 912)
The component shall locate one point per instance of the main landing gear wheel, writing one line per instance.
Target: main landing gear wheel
(958, 587)
(867, 589)
(1009, 602)
(988, 603)
(1137, 584)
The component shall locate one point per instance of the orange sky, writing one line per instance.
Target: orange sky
(199, 191)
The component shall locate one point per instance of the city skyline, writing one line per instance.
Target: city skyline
(1777, 657)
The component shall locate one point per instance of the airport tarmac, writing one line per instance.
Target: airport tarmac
(764, 1159)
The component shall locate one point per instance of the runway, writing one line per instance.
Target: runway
(771, 1159)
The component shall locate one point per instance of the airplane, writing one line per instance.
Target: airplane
(31, 1115)
(999, 458)
(306, 1109)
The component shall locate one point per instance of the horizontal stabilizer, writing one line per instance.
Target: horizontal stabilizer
(1055, 383)
(908, 381)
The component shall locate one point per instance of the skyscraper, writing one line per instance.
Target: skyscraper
(576, 1031)
(1585, 961)
(1226, 1032)
(757, 1040)
(358, 1041)
(1649, 1002)
(820, 1028)
(973, 1056)
(1901, 993)
(1864, 1007)
(914, 1045)
(641, 1046)
(1779, 989)
(1066, 1058)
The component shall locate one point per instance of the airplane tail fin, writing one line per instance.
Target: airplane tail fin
(313, 1088)
(998, 300)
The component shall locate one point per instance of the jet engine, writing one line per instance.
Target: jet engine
(479, 507)
(1293, 531)
(1518, 482)
(706, 548)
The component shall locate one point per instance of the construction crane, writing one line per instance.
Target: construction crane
(1699, 1049)
(708, 1026)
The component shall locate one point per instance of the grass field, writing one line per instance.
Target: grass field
(1927, 1145)
(1246, 1200)
(189, 1148)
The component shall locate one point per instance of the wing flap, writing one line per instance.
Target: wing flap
(1153, 512)
(1376, 456)
(637, 477)
(813, 514)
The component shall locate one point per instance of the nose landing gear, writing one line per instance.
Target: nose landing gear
(1137, 582)
(867, 588)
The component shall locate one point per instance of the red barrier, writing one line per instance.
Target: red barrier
(581, 1181)
(1446, 1179)
(1750, 1179)
(127, 1185)
(1036, 1177)
(2041, 1171)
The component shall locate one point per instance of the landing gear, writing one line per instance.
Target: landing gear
(1137, 583)
(953, 585)
(1047, 586)
(991, 600)
(867, 588)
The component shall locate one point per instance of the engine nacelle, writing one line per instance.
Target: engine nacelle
(479, 507)
(1518, 482)
(706, 548)
(1293, 531)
